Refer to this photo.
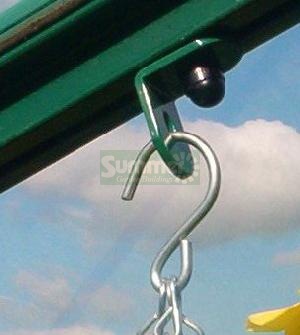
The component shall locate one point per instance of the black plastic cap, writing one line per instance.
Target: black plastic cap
(205, 86)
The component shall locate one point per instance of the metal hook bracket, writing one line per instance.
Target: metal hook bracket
(160, 84)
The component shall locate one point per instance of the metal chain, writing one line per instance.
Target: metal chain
(170, 309)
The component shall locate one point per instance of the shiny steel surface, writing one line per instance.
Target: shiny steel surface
(200, 212)
(170, 289)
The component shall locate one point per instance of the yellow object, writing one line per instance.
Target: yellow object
(284, 319)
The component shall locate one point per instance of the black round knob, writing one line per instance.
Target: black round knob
(205, 86)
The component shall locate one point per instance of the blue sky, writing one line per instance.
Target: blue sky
(75, 259)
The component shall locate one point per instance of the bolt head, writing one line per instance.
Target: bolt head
(205, 86)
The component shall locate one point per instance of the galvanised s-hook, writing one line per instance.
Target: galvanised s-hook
(179, 238)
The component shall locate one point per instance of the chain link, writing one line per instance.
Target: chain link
(170, 309)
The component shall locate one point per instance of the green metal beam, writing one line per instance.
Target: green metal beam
(70, 77)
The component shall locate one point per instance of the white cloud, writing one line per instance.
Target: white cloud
(76, 330)
(46, 299)
(107, 303)
(291, 257)
(53, 293)
(260, 195)
(20, 315)
(49, 298)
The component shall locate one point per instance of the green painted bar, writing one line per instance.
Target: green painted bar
(74, 79)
